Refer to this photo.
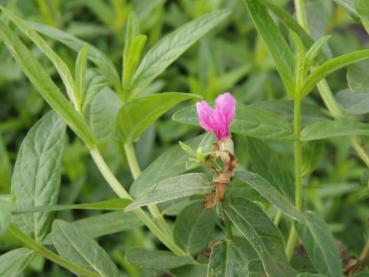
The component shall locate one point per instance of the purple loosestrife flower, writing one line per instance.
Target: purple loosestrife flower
(217, 119)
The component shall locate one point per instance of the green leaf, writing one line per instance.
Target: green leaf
(81, 76)
(349, 5)
(36, 176)
(77, 247)
(269, 192)
(308, 274)
(234, 258)
(174, 188)
(314, 51)
(361, 274)
(104, 224)
(107, 205)
(169, 164)
(358, 77)
(273, 41)
(194, 227)
(330, 67)
(169, 48)
(102, 114)
(320, 245)
(334, 128)
(262, 234)
(362, 8)
(44, 85)
(6, 206)
(139, 113)
(157, 259)
(250, 121)
(272, 169)
(58, 62)
(15, 261)
(105, 65)
(353, 103)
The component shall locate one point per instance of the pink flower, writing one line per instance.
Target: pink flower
(220, 118)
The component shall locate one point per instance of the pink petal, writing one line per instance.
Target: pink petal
(226, 105)
(206, 116)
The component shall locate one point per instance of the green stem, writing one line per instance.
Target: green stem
(278, 218)
(364, 256)
(122, 193)
(136, 171)
(298, 172)
(45, 252)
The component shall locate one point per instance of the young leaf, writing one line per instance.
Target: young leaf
(274, 41)
(331, 66)
(139, 113)
(169, 48)
(157, 259)
(105, 65)
(320, 245)
(272, 169)
(75, 246)
(269, 192)
(249, 121)
(334, 128)
(169, 164)
(104, 224)
(44, 85)
(234, 258)
(107, 205)
(102, 114)
(15, 261)
(59, 64)
(81, 76)
(353, 103)
(262, 234)
(6, 206)
(36, 176)
(194, 227)
(174, 188)
(314, 51)
(357, 77)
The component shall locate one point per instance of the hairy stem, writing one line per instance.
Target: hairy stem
(136, 171)
(48, 254)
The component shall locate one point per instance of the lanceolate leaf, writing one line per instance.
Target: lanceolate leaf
(234, 258)
(194, 227)
(44, 85)
(173, 188)
(37, 171)
(77, 247)
(269, 192)
(331, 66)
(169, 164)
(250, 121)
(139, 113)
(168, 49)
(320, 245)
(112, 204)
(272, 168)
(157, 259)
(358, 77)
(274, 41)
(262, 234)
(95, 55)
(14, 262)
(336, 128)
(104, 224)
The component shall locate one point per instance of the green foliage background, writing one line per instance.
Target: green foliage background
(230, 58)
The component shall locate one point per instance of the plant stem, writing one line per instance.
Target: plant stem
(292, 239)
(277, 218)
(136, 171)
(122, 193)
(45, 252)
